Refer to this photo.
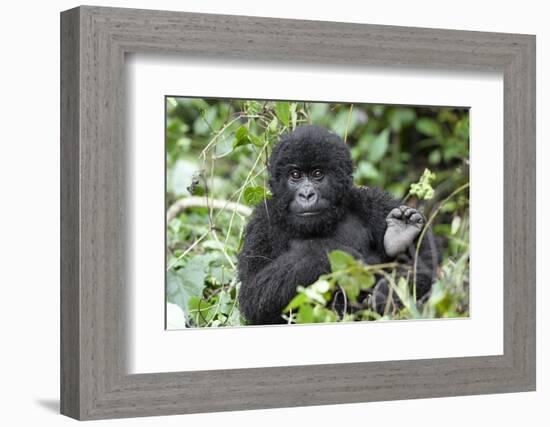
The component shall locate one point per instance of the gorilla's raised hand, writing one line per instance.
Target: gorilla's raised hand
(404, 224)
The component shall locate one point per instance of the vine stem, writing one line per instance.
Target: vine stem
(246, 181)
(427, 226)
(348, 123)
(189, 249)
(215, 138)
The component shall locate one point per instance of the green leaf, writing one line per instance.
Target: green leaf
(319, 112)
(367, 171)
(314, 295)
(223, 147)
(365, 279)
(254, 195)
(305, 314)
(293, 114)
(185, 283)
(172, 102)
(400, 117)
(296, 302)
(252, 107)
(455, 224)
(213, 244)
(202, 311)
(273, 125)
(321, 286)
(462, 128)
(340, 260)
(192, 276)
(378, 146)
(370, 315)
(351, 287)
(222, 274)
(225, 302)
(172, 282)
(323, 315)
(440, 299)
(449, 206)
(282, 109)
(398, 189)
(202, 124)
(434, 158)
(241, 137)
(402, 290)
(429, 127)
(343, 123)
(453, 151)
(258, 141)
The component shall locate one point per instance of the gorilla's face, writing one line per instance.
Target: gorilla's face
(310, 178)
(309, 190)
(312, 199)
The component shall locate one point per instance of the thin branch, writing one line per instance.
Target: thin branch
(246, 181)
(427, 226)
(348, 123)
(202, 202)
(222, 246)
(189, 249)
(214, 139)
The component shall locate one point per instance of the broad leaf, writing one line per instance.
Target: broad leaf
(254, 195)
(241, 137)
(429, 127)
(379, 145)
(282, 109)
(340, 260)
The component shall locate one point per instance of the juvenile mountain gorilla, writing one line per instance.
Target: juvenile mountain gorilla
(315, 209)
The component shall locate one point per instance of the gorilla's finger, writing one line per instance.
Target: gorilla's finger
(417, 218)
(409, 212)
(395, 213)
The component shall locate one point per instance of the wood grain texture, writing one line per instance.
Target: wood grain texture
(94, 270)
(70, 292)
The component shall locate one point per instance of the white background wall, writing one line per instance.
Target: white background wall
(29, 211)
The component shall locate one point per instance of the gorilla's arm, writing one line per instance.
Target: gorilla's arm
(395, 231)
(269, 276)
(429, 257)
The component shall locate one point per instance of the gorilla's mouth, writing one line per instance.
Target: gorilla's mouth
(310, 213)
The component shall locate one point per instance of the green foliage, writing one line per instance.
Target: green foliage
(343, 287)
(254, 195)
(218, 150)
(423, 188)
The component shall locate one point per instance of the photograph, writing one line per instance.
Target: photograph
(282, 212)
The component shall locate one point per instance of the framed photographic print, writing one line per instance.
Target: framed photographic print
(220, 165)
(350, 209)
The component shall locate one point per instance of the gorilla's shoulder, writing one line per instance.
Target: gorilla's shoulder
(372, 198)
(262, 217)
(262, 211)
(371, 194)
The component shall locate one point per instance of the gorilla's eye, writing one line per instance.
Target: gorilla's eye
(317, 174)
(295, 174)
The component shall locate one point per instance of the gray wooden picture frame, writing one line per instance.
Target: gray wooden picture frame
(94, 41)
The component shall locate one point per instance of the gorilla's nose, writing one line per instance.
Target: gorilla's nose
(307, 196)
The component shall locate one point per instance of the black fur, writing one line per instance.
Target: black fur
(282, 251)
